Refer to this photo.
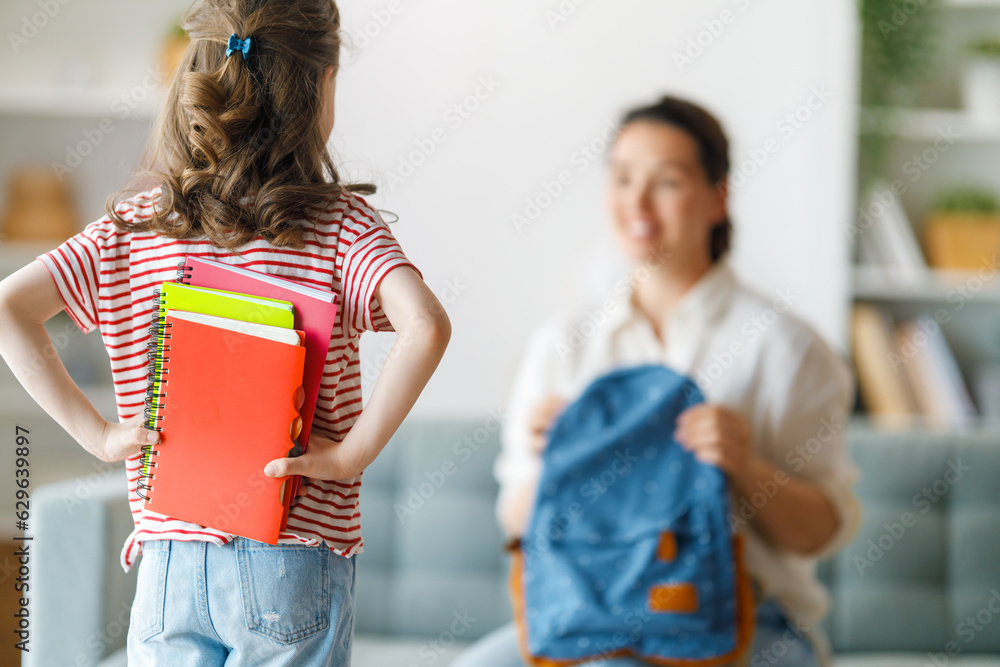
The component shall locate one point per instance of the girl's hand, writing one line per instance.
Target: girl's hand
(542, 418)
(716, 435)
(324, 459)
(119, 441)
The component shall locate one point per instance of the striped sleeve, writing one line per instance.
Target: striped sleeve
(75, 268)
(369, 258)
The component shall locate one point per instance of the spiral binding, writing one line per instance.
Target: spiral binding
(182, 273)
(155, 395)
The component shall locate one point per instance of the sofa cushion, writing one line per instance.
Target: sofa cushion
(436, 554)
(923, 573)
(433, 558)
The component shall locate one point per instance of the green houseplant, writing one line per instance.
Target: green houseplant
(899, 44)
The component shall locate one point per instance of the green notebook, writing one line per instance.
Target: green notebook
(235, 306)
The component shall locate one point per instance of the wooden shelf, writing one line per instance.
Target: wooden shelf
(975, 4)
(880, 284)
(929, 124)
(981, 426)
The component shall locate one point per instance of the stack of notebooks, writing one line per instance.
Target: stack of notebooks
(907, 372)
(236, 361)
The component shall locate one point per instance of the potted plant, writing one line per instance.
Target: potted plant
(981, 80)
(899, 54)
(962, 230)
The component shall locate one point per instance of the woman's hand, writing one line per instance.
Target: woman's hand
(717, 435)
(541, 419)
(797, 515)
(324, 459)
(119, 441)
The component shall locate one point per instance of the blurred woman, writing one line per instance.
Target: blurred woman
(776, 395)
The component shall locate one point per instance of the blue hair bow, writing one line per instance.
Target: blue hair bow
(237, 44)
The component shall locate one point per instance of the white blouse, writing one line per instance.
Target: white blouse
(745, 352)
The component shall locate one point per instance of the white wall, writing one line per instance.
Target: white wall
(558, 87)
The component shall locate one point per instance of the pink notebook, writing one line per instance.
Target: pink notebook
(315, 314)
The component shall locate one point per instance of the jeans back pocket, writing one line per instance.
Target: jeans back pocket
(285, 589)
(146, 617)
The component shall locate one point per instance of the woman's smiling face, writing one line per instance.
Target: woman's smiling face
(659, 197)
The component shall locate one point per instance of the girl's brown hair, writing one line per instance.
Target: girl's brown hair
(235, 127)
(713, 150)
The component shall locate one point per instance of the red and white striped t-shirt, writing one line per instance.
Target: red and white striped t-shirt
(107, 278)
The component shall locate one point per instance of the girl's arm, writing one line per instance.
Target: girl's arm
(423, 330)
(28, 298)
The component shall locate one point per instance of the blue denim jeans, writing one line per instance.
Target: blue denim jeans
(244, 603)
(776, 643)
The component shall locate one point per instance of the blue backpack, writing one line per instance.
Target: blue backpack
(628, 551)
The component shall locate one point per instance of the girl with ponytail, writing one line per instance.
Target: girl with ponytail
(237, 170)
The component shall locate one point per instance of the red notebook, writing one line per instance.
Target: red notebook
(227, 405)
(315, 314)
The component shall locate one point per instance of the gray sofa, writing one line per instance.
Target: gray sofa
(433, 574)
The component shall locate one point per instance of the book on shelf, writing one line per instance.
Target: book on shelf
(931, 397)
(884, 389)
(907, 370)
(886, 240)
(946, 373)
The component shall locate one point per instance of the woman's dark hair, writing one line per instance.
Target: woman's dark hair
(236, 127)
(713, 150)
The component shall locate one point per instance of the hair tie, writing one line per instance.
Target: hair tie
(237, 44)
